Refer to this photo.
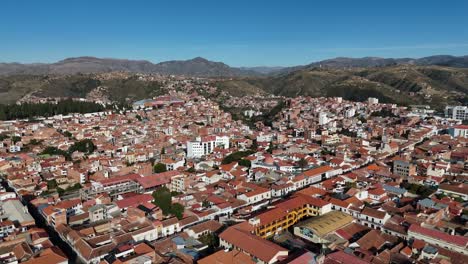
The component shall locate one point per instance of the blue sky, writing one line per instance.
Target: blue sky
(239, 33)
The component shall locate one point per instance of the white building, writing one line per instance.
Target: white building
(255, 196)
(459, 131)
(204, 146)
(15, 148)
(373, 218)
(438, 238)
(265, 137)
(456, 112)
(323, 119)
(373, 100)
(7, 195)
(350, 112)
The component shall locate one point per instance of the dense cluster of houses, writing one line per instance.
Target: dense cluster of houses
(330, 181)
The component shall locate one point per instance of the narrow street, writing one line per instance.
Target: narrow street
(41, 223)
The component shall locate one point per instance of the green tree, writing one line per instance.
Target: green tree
(303, 163)
(60, 191)
(32, 110)
(159, 167)
(34, 142)
(245, 163)
(254, 145)
(85, 146)
(348, 133)
(15, 139)
(362, 119)
(163, 199)
(178, 210)
(67, 134)
(384, 113)
(271, 147)
(236, 156)
(210, 239)
(206, 204)
(74, 187)
(55, 151)
(3, 137)
(51, 184)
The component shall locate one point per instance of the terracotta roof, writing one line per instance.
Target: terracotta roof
(230, 257)
(377, 191)
(317, 171)
(282, 209)
(170, 221)
(351, 230)
(152, 181)
(372, 239)
(340, 257)
(312, 191)
(451, 239)
(209, 225)
(256, 191)
(188, 220)
(373, 213)
(48, 256)
(458, 188)
(66, 204)
(134, 200)
(255, 246)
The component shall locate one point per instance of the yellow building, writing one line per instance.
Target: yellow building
(288, 213)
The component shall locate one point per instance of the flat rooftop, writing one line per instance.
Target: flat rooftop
(324, 224)
(14, 210)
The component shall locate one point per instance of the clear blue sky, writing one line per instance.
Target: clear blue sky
(237, 32)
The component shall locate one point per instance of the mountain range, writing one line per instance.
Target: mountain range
(204, 68)
(193, 67)
(435, 80)
(404, 84)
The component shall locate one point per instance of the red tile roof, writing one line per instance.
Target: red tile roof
(340, 257)
(253, 245)
(134, 201)
(317, 171)
(458, 240)
(151, 181)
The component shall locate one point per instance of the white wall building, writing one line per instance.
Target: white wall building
(373, 100)
(456, 112)
(350, 112)
(204, 146)
(459, 131)
(323, 119)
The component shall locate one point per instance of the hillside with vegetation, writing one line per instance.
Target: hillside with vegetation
(402, 84)
(116, 89)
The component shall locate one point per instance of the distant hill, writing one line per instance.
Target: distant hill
(194, 67)
(443, 60)
(200, 67)
(369, 62)
(436, 80)
(403, 84)
(263, 69)
(204, 68)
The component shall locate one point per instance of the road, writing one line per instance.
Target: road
(41, 223)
